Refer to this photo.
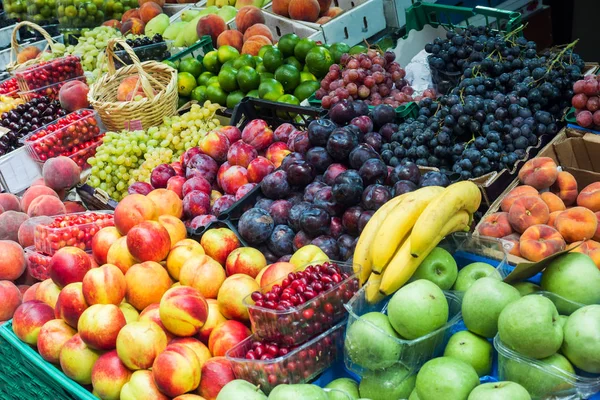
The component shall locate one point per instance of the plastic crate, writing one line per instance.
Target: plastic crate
(80, 157)
(152, 52)
(47, 73)
(18, 171)
(197, 50)
(38, 263)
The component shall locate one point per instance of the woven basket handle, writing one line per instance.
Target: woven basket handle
(14, 44)
(137, 64)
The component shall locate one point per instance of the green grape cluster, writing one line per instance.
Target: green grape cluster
(130, 156)
(91, 48)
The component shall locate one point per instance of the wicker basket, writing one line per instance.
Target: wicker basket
(140, 114)
(15, 46)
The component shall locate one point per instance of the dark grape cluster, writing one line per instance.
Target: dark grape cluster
(25, 119)
(157, 53)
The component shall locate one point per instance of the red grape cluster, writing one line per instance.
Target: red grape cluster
(372, 77)
(587, 101)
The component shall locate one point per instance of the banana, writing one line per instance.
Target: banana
(459, 196)
(397, 225)
(373, 295)
(362, 254)
(403, 264)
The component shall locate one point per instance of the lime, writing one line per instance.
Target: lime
(211, 62)
(337, 49)
(273, 59)
(266, 75)
(181, 101)
(270, 89)
(185, 83)
(227, 64)
(318, 61)
(302, 48)
(359, 48)
(216, 95)
(199, 94)
(307, 76)
(227, 79)
(226, 53)
(248, 79)
(263, 50)
(234, 98)
(257, 60)
(260, 68)
(293, 61)
(213, 80)
(289, 76)
(289, 99)
(252, 93)
(287, 43)
(305, 89)
(191, 65)
(170, 64)
(325, 45)
(244, 60)
(205, 76)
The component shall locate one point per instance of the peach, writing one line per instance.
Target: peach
(189, 396)
(231, 296)
(179, 255)
(34, 192)
(514, 194)
(218, 243)
(152, 314)
(68, 265)
(73, 95)
(304, 10)
(51, 339)
(552, 218)
(61, 173)
(214, 319)
(577, 223)
(174, 226)
(119, 255)
(589, 197)
(134, 26)
(176, 370)
(514, 239)
(167, 202)
(231, 38)
(204, 274)
(128, 87)
(241, 153)
(132, 210)
(146, 284)
(277, 152)
(597, 234)
(259, 168)
(46, 205)
(141, 386)
(527, 211)
(211, 25)
(48, 293)
(539, 242)
(553, 202)
(139, 343)
(280, 7)
(245, 260)
(175, 184)
(149, 241)
(109, 375)
(70, 304)
(132, 13)
(258, 29)
(254, 43)
(334, 12)
(13, 261)
(324, 6)
(584, 247)
(148, 11)
(196, 203)
(233, 178)
(11, 299)
(232, 132)
(30, 293)
(10, 202)
(23, 289)
(129, 312)
(183, 310)
(161, 3)
(323, 20)
(113, 23)
(495, 225)
(29, 318)
(102, 241)
(199, 348)
(74, 207)
(565, 187)
(216, 373)
(99, 326)
(539, 172)
(10, 222)
(28, 53)
(248, 16)
(77, 360)
(275, 274)
(225, 336)
(258, 134)
(27, 229)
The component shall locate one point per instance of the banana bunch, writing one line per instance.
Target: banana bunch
(402, 233)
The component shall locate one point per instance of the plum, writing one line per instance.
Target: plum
(336, 228)
(342, 113)
(283, 132)
(205, 165)
(373, 171)
(295, 214)
(319, 131)
(263, 203)
(408, 171)
(139, 188)
(256, 226)
(312, 189)
(319, 158)
(188, 155)
(295, 198)
(222, 204)
(356, 130)
(387, 130)
(269, 255)
(281, 241)
(280, 210)
(300, 240)
(299, 142)
(300, 173)
(348, 188)
(364, 218)
(435, 178)
(375, 196)
(360, 108)
(383, 114)
(359, 155)
(403, 186)
(324, 199)
(275, 185)
(350, 219)
(363, 123)
(341, 142)
(375, 140)
(290, 158)
(328, 245)
(285, 258)
(346, 245)
(315, 221)
(160, 175)
(202, 221)
(332, 172)
(244, 190)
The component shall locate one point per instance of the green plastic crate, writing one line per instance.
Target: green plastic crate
(24, 374)
(198, 50)
(408, 110)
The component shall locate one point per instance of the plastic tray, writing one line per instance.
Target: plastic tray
(9, 87)
(152, 52)
(37, 263)
(50, 91)
(299, 366)
(80, 157)
(197, 50)
(48, 72)
(298, 324)
(49, 239)
(18, 171)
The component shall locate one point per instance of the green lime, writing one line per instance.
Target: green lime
(244, 60)
(226, 53)
(185, 83)
(234, 98)
(307, 76)
(257, 60)
(325, 45)
(181, 101)
(205, 76)
(216, 95)
(305, 89)
(318, 61)
(227, 64)
(270, 89)
(263, 50)
(192, 66)
(211, 62)
(199, 94)
(252, 93)
(289, 76)
(289, 99)
(359, 48)
(170, 64)
(227, 79)
(248, 79)
(212, 81)
(273, 59)
(287, 43)
(266, 75)
(337, 49)
(302, 48)
(293, 61)
(260, 68)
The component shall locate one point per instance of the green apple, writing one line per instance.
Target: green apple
(575, 277)
(414, 395)
(470, 273)
(240, 389)
(446, 378)
(418, 309)
(298, 391)
(582, 339)
(438, 267)
(530, 326)
(347, 385)
(539, 382)
(372, 342)
(472, 349)
(395, 382)
(526, 288)
(562, 320)
(499, 391)
(483, 302)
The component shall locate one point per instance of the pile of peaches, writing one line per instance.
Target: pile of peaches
(318, 11)
(134, 20)
(547, 214)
